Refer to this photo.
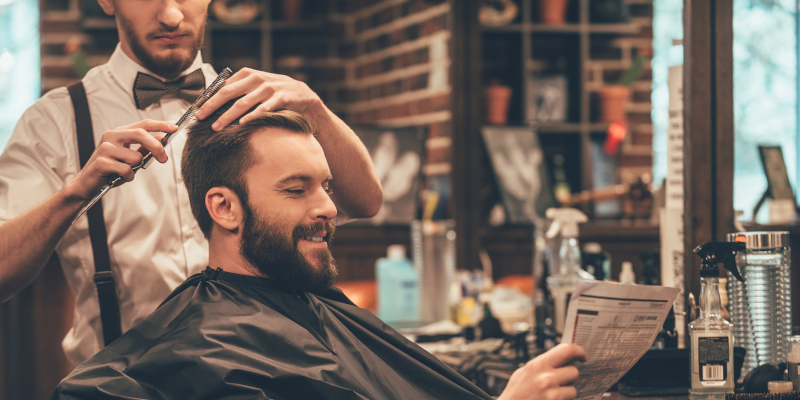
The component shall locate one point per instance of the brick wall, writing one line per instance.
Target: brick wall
(610, 58)
(399, 74)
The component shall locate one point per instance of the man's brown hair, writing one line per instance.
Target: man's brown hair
(220, 159)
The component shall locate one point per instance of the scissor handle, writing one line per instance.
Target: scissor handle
(115, 180)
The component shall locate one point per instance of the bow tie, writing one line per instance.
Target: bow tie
(148, 89)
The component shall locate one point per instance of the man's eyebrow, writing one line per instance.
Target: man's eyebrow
(293, 178)
(301, 178)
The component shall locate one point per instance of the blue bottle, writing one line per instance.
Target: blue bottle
(398, 288)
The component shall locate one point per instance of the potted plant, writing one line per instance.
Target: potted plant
(553, 11)
(497, 101)
(614, 98)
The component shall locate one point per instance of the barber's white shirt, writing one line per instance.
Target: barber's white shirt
(154, 241)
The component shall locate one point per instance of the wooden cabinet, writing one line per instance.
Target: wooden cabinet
(526, 49)
(513, 54)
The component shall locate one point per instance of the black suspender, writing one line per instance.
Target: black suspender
(103, 277)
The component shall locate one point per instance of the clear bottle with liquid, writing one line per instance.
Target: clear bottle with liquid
(711, 335)
(570, 272)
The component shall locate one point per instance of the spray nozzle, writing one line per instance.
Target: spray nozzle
(713, 253)
(565, 220)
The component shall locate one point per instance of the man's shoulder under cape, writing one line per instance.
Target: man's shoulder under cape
(222, 335)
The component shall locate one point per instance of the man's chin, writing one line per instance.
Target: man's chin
(173, 55)
(317, 258)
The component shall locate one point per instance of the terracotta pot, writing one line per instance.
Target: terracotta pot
(497, 98)
(612, 101)
(292, 10)
(553, 11)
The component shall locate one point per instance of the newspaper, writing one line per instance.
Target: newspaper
(616, 324)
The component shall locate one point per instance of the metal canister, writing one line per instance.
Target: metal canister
(760, 307)
(792, 361)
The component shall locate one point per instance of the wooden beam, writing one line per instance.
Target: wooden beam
(466, 82)
(708, 120)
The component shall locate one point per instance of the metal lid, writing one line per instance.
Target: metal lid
(761, 240)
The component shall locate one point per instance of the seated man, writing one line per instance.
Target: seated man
(263, 320)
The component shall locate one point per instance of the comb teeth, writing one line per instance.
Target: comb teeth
(211, 90)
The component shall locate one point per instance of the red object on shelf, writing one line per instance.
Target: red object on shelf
(616, 134)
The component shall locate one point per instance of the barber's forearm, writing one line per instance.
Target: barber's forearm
(357, 189)
(28, 240)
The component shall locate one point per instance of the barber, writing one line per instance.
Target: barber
(153, 240)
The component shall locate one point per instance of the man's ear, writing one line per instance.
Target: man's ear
(108, 6)
(224, 208)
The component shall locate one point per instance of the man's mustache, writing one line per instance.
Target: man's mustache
(301, 231)
(168, 32)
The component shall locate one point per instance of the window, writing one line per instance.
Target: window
(667, 27)
(19, 61)
(764, 94)
(764, 91)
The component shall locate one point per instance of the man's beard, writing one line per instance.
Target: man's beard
(279, 258)
(169, 67)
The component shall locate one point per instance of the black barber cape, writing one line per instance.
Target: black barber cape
(222, 335)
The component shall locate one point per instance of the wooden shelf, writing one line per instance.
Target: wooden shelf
(222, 26)
(565, 28)
(611, 229)
(572, 127)
(566, 127)
(305, 26)
(99, 23)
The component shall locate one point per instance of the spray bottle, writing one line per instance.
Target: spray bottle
(711, 335)
(561, 285)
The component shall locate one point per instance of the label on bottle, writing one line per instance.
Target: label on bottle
(713, 353)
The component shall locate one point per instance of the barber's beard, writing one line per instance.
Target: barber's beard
(278, 257)
(169, 67)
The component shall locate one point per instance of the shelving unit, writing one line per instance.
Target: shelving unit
(510, 53)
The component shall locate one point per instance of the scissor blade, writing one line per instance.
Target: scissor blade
(97, 198)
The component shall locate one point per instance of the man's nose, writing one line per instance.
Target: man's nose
(171, 14)
(323, 207)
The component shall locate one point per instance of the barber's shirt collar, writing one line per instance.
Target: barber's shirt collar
(123, 69)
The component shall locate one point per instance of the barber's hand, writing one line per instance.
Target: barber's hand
(545, 377)
(118, 151)
(271, 91)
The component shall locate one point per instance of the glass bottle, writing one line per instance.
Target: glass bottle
(712, 346)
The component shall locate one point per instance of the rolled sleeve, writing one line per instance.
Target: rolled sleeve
(37, 160)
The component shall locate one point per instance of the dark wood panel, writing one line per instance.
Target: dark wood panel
(33, 324)
(511, 247)
(465, 79)
(708, 123)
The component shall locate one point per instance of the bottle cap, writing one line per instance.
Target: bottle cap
(626, 274)
(713, 253)
(565, 220)
(592, 247)
(780, 386)
(396, 252)
(761, 240)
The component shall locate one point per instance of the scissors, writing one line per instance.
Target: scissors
(186, 120)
